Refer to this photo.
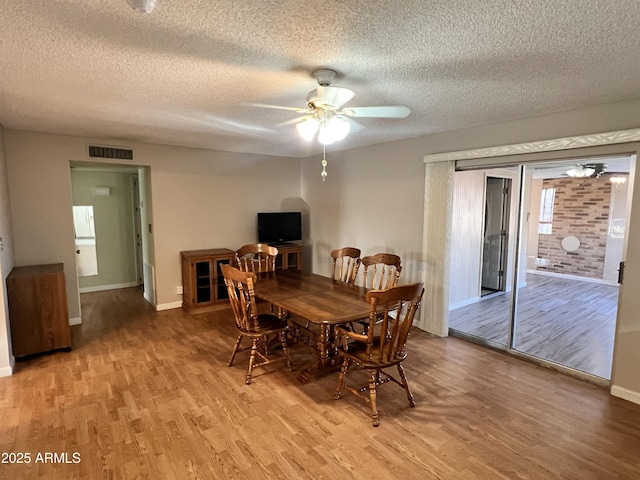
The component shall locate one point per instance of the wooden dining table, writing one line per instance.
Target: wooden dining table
(318, 300)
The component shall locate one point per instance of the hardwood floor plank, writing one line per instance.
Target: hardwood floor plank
(566, 321)
(147, 394)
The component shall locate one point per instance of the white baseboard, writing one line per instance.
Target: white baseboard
(625, 394)
(115, 286)
(75, 321)
(464, 303)
(8, 371)
(168, 306)
(572, 277)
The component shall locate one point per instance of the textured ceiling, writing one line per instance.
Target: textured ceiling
(183, 74)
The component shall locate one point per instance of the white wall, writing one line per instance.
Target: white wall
(467, 233)
(6, 264)
(372, 199)
(466, 237)
(201, 199)
(342, 207)
(209, 200)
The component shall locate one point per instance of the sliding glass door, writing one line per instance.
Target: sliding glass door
(535, 259)
(573, 243)
(483, 254)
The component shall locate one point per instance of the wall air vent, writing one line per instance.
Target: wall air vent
(110, 152)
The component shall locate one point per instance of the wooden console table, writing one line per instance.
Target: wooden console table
(203, 285)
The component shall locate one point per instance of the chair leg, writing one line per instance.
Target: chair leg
(372, 397)
(254, 349)
(343, 373)
(405, 384)
(285, 349)
(235, 350)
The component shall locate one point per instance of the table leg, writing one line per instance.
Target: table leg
(325, 350)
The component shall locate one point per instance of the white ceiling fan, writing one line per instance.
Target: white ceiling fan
(326, 115)
(587, 170)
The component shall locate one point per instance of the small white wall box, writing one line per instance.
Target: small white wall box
(102, 191)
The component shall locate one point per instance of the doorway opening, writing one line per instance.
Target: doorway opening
(85, 235)
(496, 226)
(115, 196)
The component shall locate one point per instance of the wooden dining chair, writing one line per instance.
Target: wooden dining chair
(256, 258)
(383, 345)
(381, 271)
(250, 324)
(345, 263)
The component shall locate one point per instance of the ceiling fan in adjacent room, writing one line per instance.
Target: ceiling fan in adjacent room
(326, 115)
(587, 170)
(142, 6)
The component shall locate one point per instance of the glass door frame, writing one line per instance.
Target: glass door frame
(515, 274)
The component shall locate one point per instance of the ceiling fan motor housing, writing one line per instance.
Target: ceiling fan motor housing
(324, 77)
(329, 98)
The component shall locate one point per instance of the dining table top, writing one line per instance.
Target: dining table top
(313, 297)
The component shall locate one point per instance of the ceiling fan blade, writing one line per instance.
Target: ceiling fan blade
(291, 121)
(277, 107)
(333, 97)
(355, 126)
(392, 111)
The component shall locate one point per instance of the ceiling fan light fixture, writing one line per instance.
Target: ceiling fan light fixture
(324, 137)
(334, 130)
(142, 6)
(308, 128)
(324, 118)
(618, 180)
(580, 171)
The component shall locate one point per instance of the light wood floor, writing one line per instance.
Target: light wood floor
(566, 321)
(147, 394)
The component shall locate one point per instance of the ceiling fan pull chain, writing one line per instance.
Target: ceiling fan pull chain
(324, 163)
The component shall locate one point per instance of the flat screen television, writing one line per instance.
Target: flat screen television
(279, 227)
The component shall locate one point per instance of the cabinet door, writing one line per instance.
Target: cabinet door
(291, 260)
(38, 311)
(289, 257)
(220, 287)
(204, 285)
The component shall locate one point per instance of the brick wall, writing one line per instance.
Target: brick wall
(581, 209)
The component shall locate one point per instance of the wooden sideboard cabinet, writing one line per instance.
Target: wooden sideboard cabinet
(38, 312)
(289, 256)
(203, 285)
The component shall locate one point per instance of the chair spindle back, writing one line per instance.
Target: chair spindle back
(381, 271)
(241, 297)
(257, 258)
(345, 264)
